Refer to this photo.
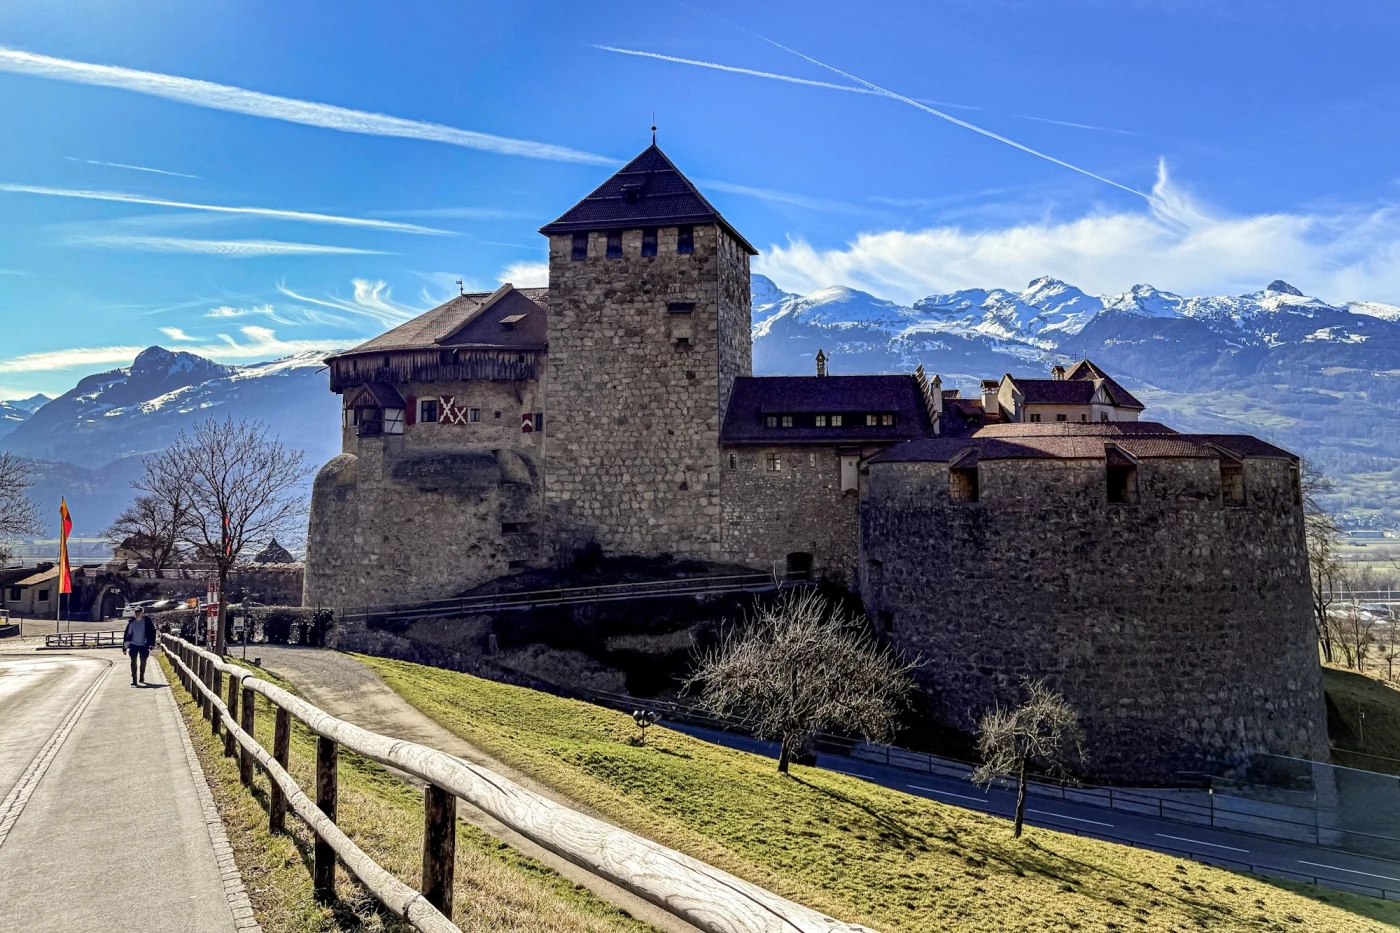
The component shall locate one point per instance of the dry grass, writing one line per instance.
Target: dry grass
(496, 887)
(850, 848)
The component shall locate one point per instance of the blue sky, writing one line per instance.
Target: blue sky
(1196, 148)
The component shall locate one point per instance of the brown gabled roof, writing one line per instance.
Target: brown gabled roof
(37, 577)
(1086, 370)
(471, 321)
(753, 397)
(649, 191)
(1077, 388)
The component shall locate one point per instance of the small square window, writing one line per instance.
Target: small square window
(886, 420)
(615, 244)
(775, 463)
(649, 242)
(1103, 416)
(498, 415)
(871, 421)
(474, 415)
(787, 421)
(1035, 419)
(580, 251)
(428, 410)
(1083, 417)
(1062, 417)
(770, 421)
(685, 239)
(821, 421)
(836, 421)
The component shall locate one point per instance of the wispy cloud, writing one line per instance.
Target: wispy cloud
(225, 312)
(468, 213)
(268, 212)
(232, 249)
(784, 197)
(134, 168)
(250, 343)
(371, 299)
(1341, 255)
(175, 333)
(12, 272)
(525, 274)
(254, 103)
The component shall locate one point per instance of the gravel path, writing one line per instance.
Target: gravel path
(349, 690)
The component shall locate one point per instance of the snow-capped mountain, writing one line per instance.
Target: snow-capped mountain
(14, 412)
(89, 441)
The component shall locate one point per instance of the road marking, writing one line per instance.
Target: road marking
(1350, 871)
(1061, 816)
(946, 793)
(1197, 842)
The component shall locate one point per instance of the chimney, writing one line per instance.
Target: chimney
(990, 388)
(1057, 372)
(821, 363)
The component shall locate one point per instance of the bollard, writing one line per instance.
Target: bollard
(245, 760)
(230, 743)
(281, 748)
(439, 847)
(323, 870)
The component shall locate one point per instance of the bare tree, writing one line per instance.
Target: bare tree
(801, 665)
(1323, 541)
(1042, 731)
(154, 524)
(19, 514)
(242, 485)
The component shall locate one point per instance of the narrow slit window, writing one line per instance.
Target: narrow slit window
(685, 239)
(1232, 484)
(580, 251)
(649, 241)
(615, 244)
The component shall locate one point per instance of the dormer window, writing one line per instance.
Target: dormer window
(580, 252)
(632, 192)
(509, 321)
(615, 244)
(685, 239)
(649, 241)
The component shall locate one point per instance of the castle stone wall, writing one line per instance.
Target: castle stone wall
(1178, 627)
(769, 514)
(402, 524)
(632, 456)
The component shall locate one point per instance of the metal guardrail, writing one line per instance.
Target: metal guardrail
(84, 640)
(705, 897)
(564, 596)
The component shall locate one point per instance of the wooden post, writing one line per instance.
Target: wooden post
(281, 747)
(439, 847)
(245, 761)
(218, 684)
(323, 871)
(230, 743)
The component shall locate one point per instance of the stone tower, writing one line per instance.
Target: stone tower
(648, 329)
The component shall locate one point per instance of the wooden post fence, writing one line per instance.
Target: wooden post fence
(711, 900)
(230, 743)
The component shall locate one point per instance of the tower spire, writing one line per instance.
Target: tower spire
(653, 127)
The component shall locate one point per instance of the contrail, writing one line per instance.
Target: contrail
(233, 249)
(134, 168)
(257, 104)
(271, 212)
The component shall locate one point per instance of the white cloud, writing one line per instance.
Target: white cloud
(67, 359)
(525, 274)
(268, 212)
(175, 333)
(134, 168)
(255, 343)
(373, 300)
(232, 249)
(253, 103)
(1176, 244)
(12, 272)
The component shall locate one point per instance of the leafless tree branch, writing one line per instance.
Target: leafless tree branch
(19, 514)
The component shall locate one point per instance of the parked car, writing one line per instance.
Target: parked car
(129, 610)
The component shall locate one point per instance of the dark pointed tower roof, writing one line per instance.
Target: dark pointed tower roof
(649, 191)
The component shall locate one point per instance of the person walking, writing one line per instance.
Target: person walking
(137, 641)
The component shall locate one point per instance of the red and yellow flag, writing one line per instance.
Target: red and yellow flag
(65, 579)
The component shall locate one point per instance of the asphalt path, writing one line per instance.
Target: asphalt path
(1229, 848)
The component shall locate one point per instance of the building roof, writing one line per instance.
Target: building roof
(274, 553)
(471, 321)
(1076, 388)
(754, 397)
(1139, 440)
(36, 577)
(381, 394)
(649, 191)
(1085, 369)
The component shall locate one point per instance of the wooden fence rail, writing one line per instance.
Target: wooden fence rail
(709, 899)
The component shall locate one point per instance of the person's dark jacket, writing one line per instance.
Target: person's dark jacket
(132, 631)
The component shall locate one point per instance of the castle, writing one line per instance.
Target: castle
(1159, 579)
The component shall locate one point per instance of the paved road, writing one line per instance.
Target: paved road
(101, 823)
(1298, 861)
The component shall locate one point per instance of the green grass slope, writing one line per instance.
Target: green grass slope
(849, 848)
(1363, 716)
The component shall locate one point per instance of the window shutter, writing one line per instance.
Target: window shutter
(410, 412)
